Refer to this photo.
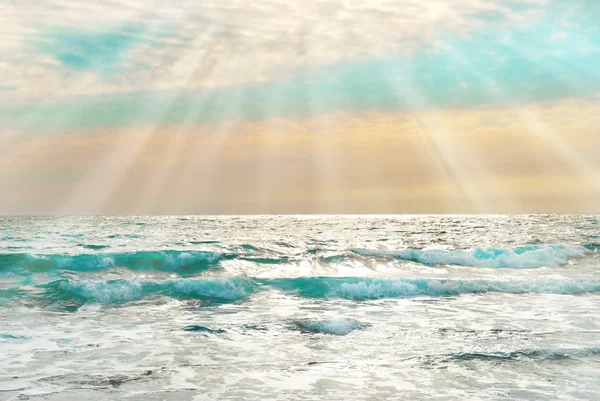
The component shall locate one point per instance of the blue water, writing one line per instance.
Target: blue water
(293, 307)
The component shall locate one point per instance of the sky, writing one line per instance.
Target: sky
(316, 106)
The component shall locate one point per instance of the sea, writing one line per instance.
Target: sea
(419, 307)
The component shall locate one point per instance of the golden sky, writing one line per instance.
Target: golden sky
(475, 160)
(488, 106)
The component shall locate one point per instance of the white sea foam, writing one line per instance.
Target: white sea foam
(517, 257)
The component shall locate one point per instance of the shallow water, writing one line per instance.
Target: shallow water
(336, 307)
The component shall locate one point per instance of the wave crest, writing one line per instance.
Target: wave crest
(71, 294)
(530, 256)
(186, 262)
(362, 289)
(79, 292)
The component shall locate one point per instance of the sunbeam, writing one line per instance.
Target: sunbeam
(112, 170)
(281, 107)
(299, 200)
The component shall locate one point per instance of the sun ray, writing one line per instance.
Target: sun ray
(547, 135)
(114, 167)
(441, 146)
(96, 178)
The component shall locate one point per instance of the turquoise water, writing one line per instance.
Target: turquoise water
(298, 307)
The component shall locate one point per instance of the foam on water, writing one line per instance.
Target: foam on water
(300, 307)
(115, 292)
(568, 353)
(190, 262)
(203, 329)
(366, 289)
(184, 262)
(530, 256)
(338, 327)
(13, 337)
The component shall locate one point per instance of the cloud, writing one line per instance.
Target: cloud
(217, 43)
(189, 63)
(103, 52)
(277, 106)
(494, 67)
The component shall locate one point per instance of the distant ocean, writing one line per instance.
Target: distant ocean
(300, 307)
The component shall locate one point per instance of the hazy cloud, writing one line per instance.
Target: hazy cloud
(65, 47)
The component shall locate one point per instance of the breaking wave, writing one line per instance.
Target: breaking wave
(186, 263)
(369, 289)
(79, 292)
(222, 290)
(530, 256)
(167, 260)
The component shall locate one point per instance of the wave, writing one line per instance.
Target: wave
(183, 262)
(190, 262)
(71, 294)
(8, 296)
(94, 247)
(530, 256)
(528, 354)
(7, 337)
(266, 260)
(75, 293)
(370, 289)
(203, 329)
(338, 327)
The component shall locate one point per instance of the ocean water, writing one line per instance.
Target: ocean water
(300, 307)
